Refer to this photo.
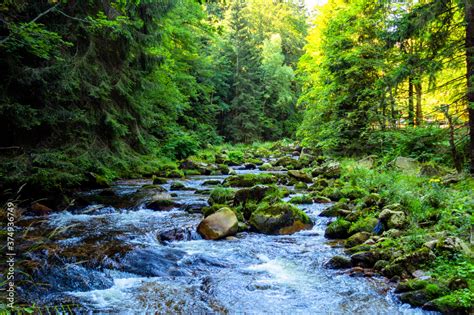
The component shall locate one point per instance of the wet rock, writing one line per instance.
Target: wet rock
(339, 262)
(338, 209)
(303, 199)
(301, 186)
(338, 229)
(300, 176)
(73, 277)
(250, 166)
(265, 167)
(211, 182)
(179, 186)
(357, 239)
(96, 181)
(321, 199)
(176, 234)
(108, 192)
(364, 259)
(415, 298)
(161, 201)
(287, 162)
(254, 194)
(159, 180)
(380, 265)
(249, 180)
(40, 209)
(280, 218)
(219, 225)
(153, 262)
(195, 207)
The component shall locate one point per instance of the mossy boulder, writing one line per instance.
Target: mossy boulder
(393, 219)
(338, 209)
(303, 199)
(265, 167)
(159, 180)
(279, 218)
(357, 239)
(338, 229)
(365, 259)
(179, 186)
(301, 186)
(221, 195)
(161, 201)
(366, 224)
(249, 180)
(254, 194)
(339, 262)
(211, 182)
(287, 162)
(327, 170)
(300, 176)
(218, 225)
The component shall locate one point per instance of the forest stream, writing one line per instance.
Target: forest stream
(116, 258)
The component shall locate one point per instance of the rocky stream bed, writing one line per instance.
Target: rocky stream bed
(124, 252)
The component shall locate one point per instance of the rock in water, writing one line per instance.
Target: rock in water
(300, 176)
(219, 225)
(280, 218)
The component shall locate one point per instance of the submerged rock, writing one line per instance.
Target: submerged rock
(219, 225)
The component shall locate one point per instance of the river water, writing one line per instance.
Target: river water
(158, 264)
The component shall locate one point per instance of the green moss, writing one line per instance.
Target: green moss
(221, 195)
(304, 199)
(249, 180)
(338, 229)
(462, 300)
(366, 224)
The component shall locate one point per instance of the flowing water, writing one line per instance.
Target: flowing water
(128, 259)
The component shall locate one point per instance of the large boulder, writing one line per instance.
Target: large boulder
(218, 225)
(161, 201)
(357, 239)
(338, 229)
(393, 219)
(249, 180)
(339, 262)
(279, 218)
(254, 194)
(300, 176)
(327, 170)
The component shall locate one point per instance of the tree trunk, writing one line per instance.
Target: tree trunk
(419, 110)
(470, 75)
(411, 107)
